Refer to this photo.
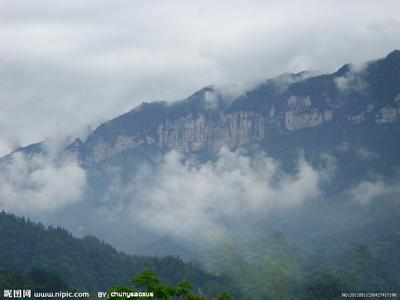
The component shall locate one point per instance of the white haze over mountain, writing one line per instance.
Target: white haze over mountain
(67, 65)
(40, 184)
(352, 80)
(176, 198)
(368, 191)
(182, 199)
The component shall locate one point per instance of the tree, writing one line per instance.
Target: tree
(148, 281)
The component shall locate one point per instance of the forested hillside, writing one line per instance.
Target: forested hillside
(32, 256)
(36, 279)
(86, 264)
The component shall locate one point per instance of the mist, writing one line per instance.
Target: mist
(40, 183)
(67, 66)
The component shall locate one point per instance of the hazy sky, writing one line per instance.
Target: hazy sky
(68, 64)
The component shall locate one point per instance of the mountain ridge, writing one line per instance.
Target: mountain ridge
(190, 126)
(208, 120)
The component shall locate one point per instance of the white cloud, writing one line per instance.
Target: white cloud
(39, 184)
(211, 99)
(367, 191)
(352, 80)
(185, 200)
(66, 64)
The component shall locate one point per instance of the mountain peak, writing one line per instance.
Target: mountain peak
(205, 120)
(395, 54)
(343, 70)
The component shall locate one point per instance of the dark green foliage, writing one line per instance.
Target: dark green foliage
(363, 268)
(86, 264)
(36, 279)
(48, 280)
(224, 296)
(269, 266)
(12, 280)
(321, 286)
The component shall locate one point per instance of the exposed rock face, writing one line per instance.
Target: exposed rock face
(102, 149)
(390, 113)
(301, 114)
(195, 132)
(387, 115)
(356, 119)
(205, 121)
(298, 120)
(397, 103)
(188, 134)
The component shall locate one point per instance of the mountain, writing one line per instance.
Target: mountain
(87, 264)
(207, 120)
(150, 184)
(351, 115)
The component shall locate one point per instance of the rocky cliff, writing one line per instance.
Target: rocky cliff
(287, 103)
(209, 120)
(187, 134)
(195, 132)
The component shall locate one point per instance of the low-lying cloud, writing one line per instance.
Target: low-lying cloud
(39, 184)
(368, 191)
(184, 200)
(68, 64)
(352, 80)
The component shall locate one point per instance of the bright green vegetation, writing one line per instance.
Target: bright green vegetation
(149, 282)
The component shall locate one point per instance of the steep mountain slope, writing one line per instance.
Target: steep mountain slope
(208, 120)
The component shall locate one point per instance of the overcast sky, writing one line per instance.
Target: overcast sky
(66, 65)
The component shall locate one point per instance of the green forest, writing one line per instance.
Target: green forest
(48, 258)
(86, 264)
